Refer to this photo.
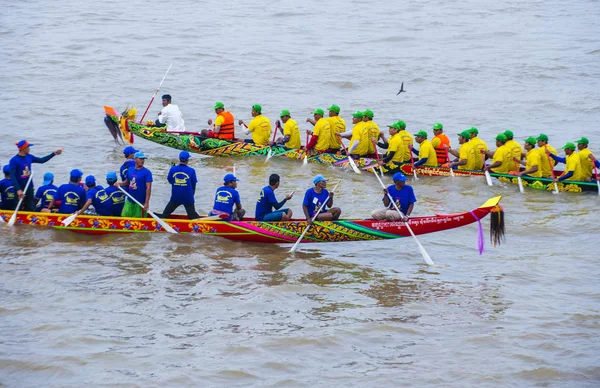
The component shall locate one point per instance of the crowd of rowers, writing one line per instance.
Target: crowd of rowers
(365, 136)
(131, 197)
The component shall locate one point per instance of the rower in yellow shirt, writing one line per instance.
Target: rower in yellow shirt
(337, 126)
(260, 127)
(373, 128)
(533, 160)
(547, 164)
(394, 146)
(427, 156)
(514, 147)
(321, 135)
(503, 162)
(481, 147)
(407, 140)
(291, 132)
(360, 139)
(584, 157)
(467, 155)
(573, 171)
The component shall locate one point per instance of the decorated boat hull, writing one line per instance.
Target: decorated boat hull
(262, 232)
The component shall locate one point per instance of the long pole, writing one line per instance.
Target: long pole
(424, 253)
(162, 223)
(13, 218)
(155, 92)
(352, 163)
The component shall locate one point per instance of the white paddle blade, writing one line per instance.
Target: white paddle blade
(521, 189)
(488, 178)
(2, 220)
(67, 221)
(451, 172)
(269, 154)
(162, 223)
(13, 218)
(381, 171)
(556, 189)
(353, 165)
(305, 162)
(598, 184)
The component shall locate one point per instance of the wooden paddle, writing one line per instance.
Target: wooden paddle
(412, 162)
(67, 221)
(448, 160)
(521, 189)
(166, 226)
(377, 155)
(270, 153)
(488, 177)
(13, 218)
(424, 253)
(305, 162)
(352, 163)
(552, 172)
(155, 92)
(293, 249)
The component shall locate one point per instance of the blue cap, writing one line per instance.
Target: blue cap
(229, 178)
(399, 177)
(48, 178)
(319, 178)
(76, 173)
(23, 144)
(129, 150)
(140, 155)
(90, 180)
(111, 176)
(184, 155)
(6, 169)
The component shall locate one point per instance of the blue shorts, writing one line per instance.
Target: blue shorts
(275, 216)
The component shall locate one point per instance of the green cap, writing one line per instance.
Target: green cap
(334, 108)
(257, 108)
(358, 114)
(218, 105)
(437, 126)
(473, 130)
(369, 113)
(501, 137)
(531, 140)
(284, 112)
(509, 134)
(542, 137)
(319, 111)
(422, 134)
(583, 140)
(465, 134)
(569, 145)
(401, 124)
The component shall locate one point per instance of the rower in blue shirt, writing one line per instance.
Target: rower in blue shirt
(403, 196)
(45, 193)
(128, 151)
(183, 187)
(98, 197)
(7, 191)
(225, 198)
(20, 170)
(267, 201)
(315, 197)
(117, 197)
(71, 195)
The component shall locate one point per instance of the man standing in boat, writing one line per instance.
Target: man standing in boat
(20, 170)
(441, 143)
(224, 127)
(259, 127)
(267, 202)
(226, 198)
(543, 146)
(71, 195)
(170, 116)
(404, 197)
(183, 187)
(139, 183)
(315, 197)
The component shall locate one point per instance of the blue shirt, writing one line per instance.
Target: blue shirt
(100, 200)
(129, 163)
(183, 184)
(117, 197)
(20, 168)
(266, 203)
(225, 198)
(45, 194)
(313, 201)
(403, 198)
(137, 182)
(72, 198)
(8, 195)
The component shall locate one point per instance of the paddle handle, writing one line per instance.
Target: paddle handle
(448, 161)
(13, 218)
(155, 92)
(412, 161)
(166, 226)
(552, 171)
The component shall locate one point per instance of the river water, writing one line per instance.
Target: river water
(162, 310)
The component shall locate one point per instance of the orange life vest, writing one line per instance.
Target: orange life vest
(441, 151)
(227, 131)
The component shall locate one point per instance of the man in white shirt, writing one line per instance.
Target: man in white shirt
(170, 116)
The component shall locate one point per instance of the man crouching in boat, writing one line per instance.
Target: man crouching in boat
(267, 201)
(170, 116)
(315, 197)
(225, 197)
(224, 127)
(404, 197)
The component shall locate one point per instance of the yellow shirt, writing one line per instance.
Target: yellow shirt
(547, 168)
(467, 152)
(291, 128)
(515, 148)
(260, 126)
(337, 125)
(586, 164)
(479, 144)
(395, 144)
(426, 150)
(373, 130)
(360, 135)
(533, 158)
(219, 121)
(323, 131)
(504, 155)
(407, 139)
(574, 164)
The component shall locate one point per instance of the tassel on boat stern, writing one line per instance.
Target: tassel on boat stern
(497, 225)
